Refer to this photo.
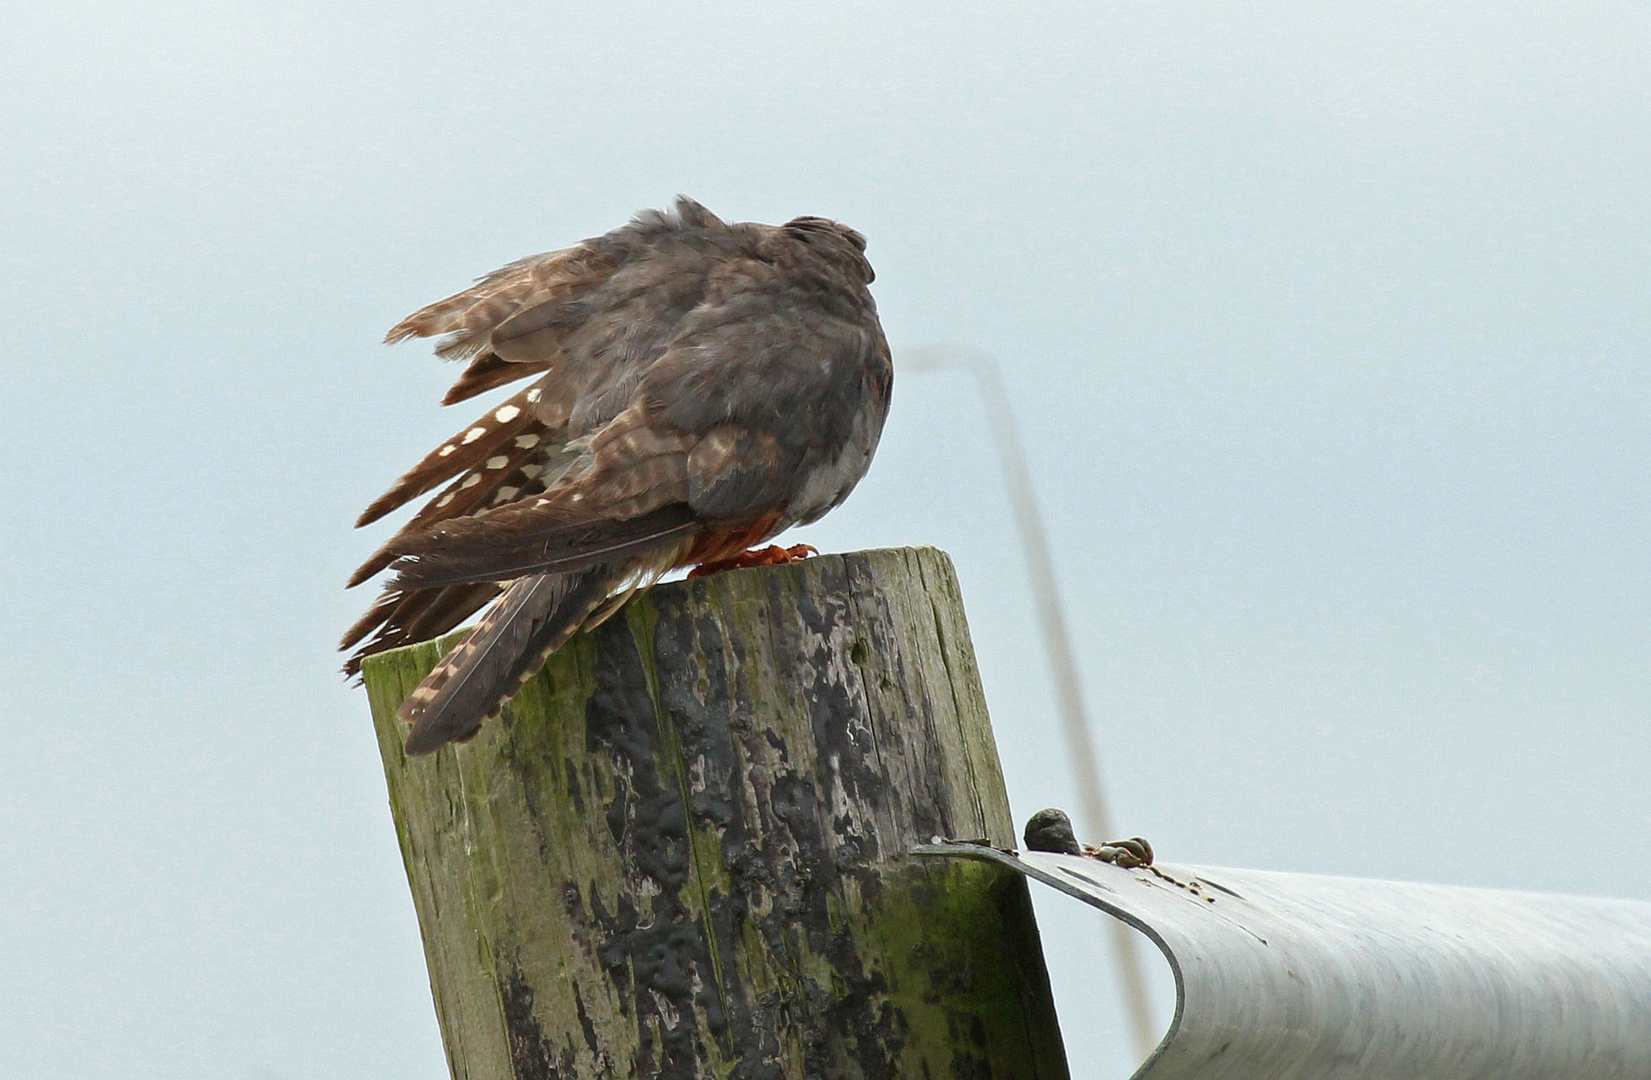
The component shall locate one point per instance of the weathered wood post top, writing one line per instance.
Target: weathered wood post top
(683, 849)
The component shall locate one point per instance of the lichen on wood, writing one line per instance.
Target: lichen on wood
(681, 851)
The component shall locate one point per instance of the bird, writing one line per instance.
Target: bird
(698, 388)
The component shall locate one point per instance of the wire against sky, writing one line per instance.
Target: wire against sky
(1080, 746)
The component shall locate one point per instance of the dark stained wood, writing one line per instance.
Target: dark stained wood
(681, 852)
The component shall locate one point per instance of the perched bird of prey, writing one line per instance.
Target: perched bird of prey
(700, 387)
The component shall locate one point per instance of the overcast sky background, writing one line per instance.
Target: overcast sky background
(1327, 325)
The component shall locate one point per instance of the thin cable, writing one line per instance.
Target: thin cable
(1080, 747)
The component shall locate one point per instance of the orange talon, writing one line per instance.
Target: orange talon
(772, 555)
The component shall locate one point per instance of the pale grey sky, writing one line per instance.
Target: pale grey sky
(1327, 324)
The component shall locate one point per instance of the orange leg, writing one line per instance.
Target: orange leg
(772, 555)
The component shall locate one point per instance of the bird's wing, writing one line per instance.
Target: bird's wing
(520, 539)
(628, 490)
(510, 430)
(624, 516)
(588, 321)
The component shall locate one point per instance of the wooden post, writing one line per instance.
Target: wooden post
(681, 852)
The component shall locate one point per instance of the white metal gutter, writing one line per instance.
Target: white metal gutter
(1284, 976)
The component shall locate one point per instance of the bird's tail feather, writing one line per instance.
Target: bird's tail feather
(529, 621)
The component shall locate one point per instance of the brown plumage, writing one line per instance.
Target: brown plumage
(701, 388)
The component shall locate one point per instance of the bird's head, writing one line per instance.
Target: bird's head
(834, 241)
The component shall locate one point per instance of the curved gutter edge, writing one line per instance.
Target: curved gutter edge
(1009, 859)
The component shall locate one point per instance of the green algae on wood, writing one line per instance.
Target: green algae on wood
(681, 851)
